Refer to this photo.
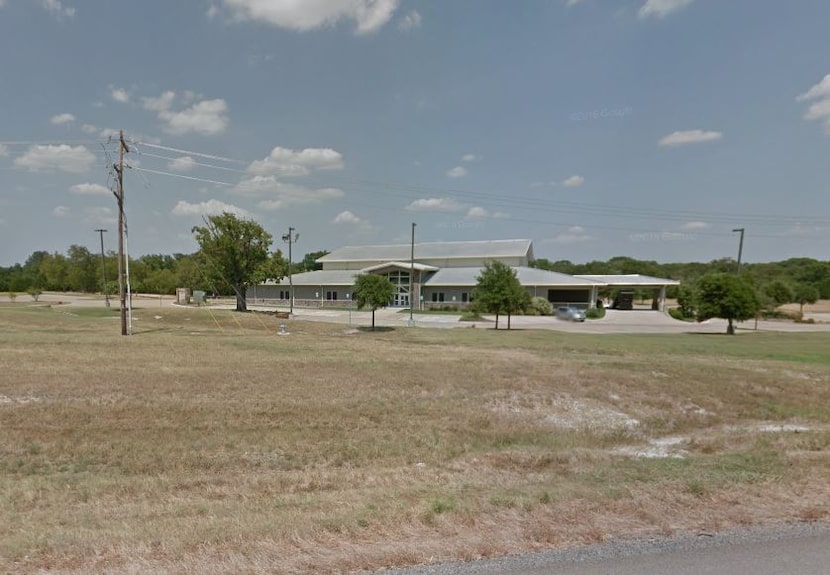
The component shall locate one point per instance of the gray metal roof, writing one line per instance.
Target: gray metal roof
(629, 280)
(320, 278)
(526, 276)
(432, 250)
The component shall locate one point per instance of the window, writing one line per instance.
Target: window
(437, 296)
(465, 297)
(285, 294)
(331, 295)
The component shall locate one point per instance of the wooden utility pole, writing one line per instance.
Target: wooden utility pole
(119, 169)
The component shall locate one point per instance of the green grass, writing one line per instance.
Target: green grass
(207, 436)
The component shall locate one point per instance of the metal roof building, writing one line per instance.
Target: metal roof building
(444, 275)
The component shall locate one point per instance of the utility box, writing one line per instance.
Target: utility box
(182, 296)
(198, 297)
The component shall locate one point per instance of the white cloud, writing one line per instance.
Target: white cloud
(4, 151)
(457, 172)
(89, 128)
(696, 225)
(570, 3)
(208, 208)
(689, 137)
(819, 110)
(119, 94)
(470, 158)
(88, 189)
(160, 104)
(212, 12)
(207, 118)
(61, 212)
(435, 205)
(57, 9)
(286, 162)
(662, 8)
(277, 195)
(64, 118)
(574, 182)
(73, 159)
(183, 164)
(100, 216)
(346, 217)
(410, 21)
(370, 15)
(820, 90)
(574, 234)
(479, 213)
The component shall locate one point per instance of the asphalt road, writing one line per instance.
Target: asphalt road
(789, 550)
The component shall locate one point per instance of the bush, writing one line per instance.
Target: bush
(539, 306)
(595, 313)
(677, 313)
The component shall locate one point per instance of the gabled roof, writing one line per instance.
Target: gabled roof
(402, 265)
(528, 277)
(630, 280)
(488, 249)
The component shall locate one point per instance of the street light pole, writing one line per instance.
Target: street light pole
(290, 237)
(740, 249)
(412, 277)
(104, 268)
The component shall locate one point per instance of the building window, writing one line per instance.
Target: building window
(437, 296)
(465, 297)
(285, 294)
(331, 295)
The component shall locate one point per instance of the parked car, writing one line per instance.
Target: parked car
(570, 313)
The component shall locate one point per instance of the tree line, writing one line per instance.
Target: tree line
(775, 283)
(231, 252)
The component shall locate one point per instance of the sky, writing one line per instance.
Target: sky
(596, 128)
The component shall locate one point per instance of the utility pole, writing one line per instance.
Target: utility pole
(412, 276)
(740, 249)
(290, 237)
(119, 171)
(104, 268)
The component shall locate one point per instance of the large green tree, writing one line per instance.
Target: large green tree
(233, 250)
(372, 291)
(498, 291)
(805, 293)
(726, 296)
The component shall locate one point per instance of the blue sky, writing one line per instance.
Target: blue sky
(596, 128)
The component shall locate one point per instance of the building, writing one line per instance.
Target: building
(444, 274)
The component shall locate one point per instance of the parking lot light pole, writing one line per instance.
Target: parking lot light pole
(104, 268)
(740, 249)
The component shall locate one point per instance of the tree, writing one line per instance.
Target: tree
(779, 292)
(805, 293)
(726, 296)
(373, 291)
(498, 291)
(309, 263)
(232, 251)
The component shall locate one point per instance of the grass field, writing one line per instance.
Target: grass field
(207, 443)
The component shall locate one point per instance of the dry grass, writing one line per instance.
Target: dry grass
(208, 443)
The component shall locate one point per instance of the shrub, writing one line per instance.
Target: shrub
(677, 313)
(595, 313)
(539, 306)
